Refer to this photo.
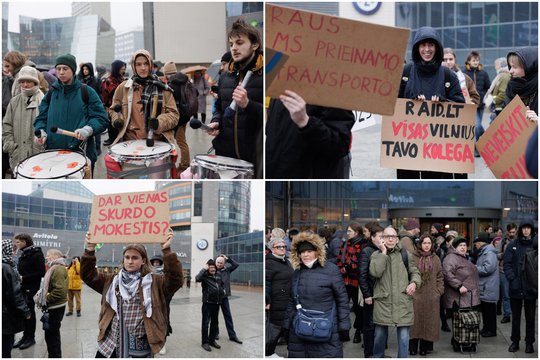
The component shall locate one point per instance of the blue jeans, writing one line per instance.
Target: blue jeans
(381, 335)
(226, 310)
(505, 291)
(479, 130)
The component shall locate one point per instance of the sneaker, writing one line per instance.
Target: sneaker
(27, 344)
(163, 350)
(206, 347)
(69, 313)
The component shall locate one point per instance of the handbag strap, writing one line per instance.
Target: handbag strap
(297, 296)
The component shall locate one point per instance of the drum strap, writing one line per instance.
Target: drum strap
(139, 172)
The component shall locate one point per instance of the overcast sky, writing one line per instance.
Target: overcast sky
(100, 187)
(124, 15)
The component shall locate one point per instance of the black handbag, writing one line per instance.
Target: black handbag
(312, 325)
(45, 319)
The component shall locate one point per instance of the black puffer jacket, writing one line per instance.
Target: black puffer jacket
(365, 280)
(240, 137)
(32, 268)
(278, 277)
(318, 288)
(14, 308)
(513, 261)
(312, 152)
(212, 287)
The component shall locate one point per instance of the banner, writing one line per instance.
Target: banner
(427, 135)
(141, 217)
(336, 62)
(503, 144)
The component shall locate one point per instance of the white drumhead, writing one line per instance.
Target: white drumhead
(138, 149)
(224, 161)
(52, 164)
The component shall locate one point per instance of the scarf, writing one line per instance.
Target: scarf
(7, 252)
(425, 265)
(526, 88)
(309, 265)
(148, 92)
(30, 92)
(41, 295)
(128, 283)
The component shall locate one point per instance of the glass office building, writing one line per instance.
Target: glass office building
(492, 28)
(464, 206)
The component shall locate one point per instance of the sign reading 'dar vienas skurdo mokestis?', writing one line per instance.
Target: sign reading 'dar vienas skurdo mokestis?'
(336, 62)
(427, 135)
(503, 144)
(141, 217)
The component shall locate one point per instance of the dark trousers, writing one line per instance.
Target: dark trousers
(100, 355)
(52, 336)
(352, 292)
(30, 324)
(272, 334)
(368, 328)
(424, 345)
(489, 316)
(226, 310)
(7, 344)
(210, 313)
(530, 309)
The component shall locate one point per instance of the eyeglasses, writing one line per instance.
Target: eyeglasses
(280, 247)
(387, 237)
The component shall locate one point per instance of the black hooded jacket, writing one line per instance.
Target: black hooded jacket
(527, 86)
(31, 267)
(429, 78)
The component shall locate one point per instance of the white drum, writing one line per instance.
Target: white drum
(54, 164)
(140, 161)
(221, 167)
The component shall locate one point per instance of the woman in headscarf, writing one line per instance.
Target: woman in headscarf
(426, 299)
(133, 317)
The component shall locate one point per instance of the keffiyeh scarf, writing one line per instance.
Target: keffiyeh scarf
(128, 284)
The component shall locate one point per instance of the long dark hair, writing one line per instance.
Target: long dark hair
(72, 262)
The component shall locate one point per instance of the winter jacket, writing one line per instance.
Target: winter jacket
(365, 279)
(333, 248)
(18, 128)
(14, 308)
(488, 270)
(240, 137)
(31, 267)
(213, 291)
(226, 274)
(311, 152)
(57, 291)
(7, 84)
(499, 91)
(480, 78)
(457, 271)
(65, 109)
(406, 240)
(109, 85)
(163, 286)
(278, 277)
(348, 260)
(318, 288)
(501, 248)
(513, 261)
(202, 87)
(392, 306)
(527, 86)
(74, 277)
(426, 301)
(90, 80)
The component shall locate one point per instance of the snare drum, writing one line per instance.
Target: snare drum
(54, 164)
(221, 167)
(140, 161)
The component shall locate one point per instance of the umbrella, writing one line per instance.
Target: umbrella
(213, 71)
(192, 69)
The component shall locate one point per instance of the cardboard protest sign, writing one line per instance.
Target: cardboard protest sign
(503, 144)
(274, 61)
(336, 62)
(427, 135)
(141, 217)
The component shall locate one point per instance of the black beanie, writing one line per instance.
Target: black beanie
(458, 241)
(482, 237)
(305, 245)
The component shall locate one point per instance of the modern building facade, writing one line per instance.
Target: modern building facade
(102, 9)
(465, 206)
(126, 44)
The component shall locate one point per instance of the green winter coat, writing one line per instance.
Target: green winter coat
(392, 306)
(58, 287)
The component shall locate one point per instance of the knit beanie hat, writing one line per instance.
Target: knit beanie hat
(305, 245)
(482, 237)
(68, 60)
(458, 241)
(226, 57)
(169, 68)
(29, 73)
(439, 227)
(412, 224)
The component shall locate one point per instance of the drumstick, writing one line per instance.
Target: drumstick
(150, 137)
(57, 130)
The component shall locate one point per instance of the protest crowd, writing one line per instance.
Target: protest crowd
(64, 111)
(419, 284)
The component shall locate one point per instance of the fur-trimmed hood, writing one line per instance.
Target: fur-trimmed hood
(314, 240)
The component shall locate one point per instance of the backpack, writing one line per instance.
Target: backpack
(529, 267)
(186, 97)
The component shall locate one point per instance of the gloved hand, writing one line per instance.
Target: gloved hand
(41, 140)
(153, 123)
(344, 335)
(85, 132)
(118, 124)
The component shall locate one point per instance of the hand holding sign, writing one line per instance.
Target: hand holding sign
(167, 243)
(531, 115)
(89, 245)
(296, 106)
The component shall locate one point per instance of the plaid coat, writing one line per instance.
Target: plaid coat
(349, 262)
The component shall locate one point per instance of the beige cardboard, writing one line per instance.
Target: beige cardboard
(273, 64)
(503, 144)
(434, 136)
(141, 217)
(336, 62)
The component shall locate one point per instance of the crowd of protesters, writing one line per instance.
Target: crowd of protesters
(407, 280)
